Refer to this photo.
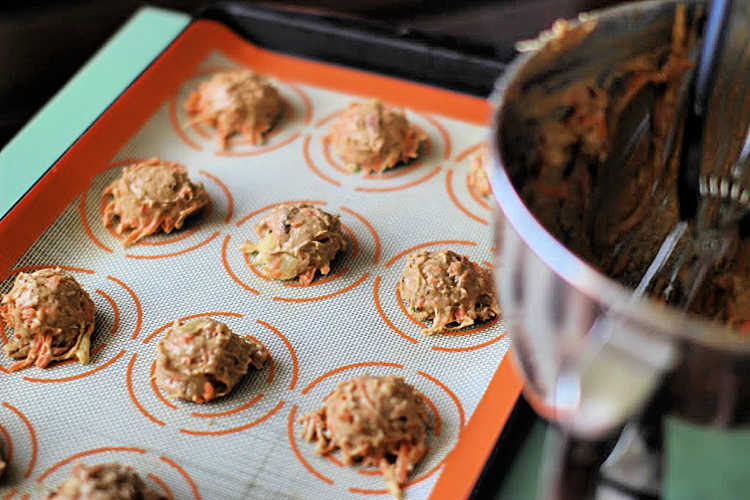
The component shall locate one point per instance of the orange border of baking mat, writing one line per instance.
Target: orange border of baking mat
(73, 172)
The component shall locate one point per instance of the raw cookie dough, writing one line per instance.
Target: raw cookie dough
(447, 288)
(52, 318)
(374, 137)
(151, 195)
(110, 481)
(236, 102)
(378, 420)
(296, 241)
(203, 360)
(478, 179)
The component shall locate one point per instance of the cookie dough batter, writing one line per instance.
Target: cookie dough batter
(478, 179)
(447, 288)
(151, 195)
(296, 241)
(379, 420)
(236, 102)
(203, 360)
(52, 318)
(110, 481)
(374, 137)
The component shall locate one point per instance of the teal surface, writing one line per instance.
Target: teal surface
(77, 105)
(522, 480)
(704, 463)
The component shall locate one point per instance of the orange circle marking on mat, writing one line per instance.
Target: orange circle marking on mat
(305, 99)
(273, 205)
(156, 390)
(87, 453)
(405, 311)
(451, 394)
(452, 196)
(190, 316)
(115, 310)
(32, 436)
(228, 269)
(488, 264)
(438, 423)
(353, 239)
(295, 449)
(179, 252)
(176, 124)
(326, 296)
(469, 348)
(184, 474)
(243, 406)
(262, 150)
(328, 118)
(131, 393)
(136, 301)
(8, 444)
(271, 366)
(10, 494)
(254, 269)
(414, 481)
(290, 348)
(427, 177)
(85, 223)
(311, 165)
(4, 340)
(376, 299)
(348, 367)
(443, 132)
(162, 485)
(225, 190)
(475, 196)
(466, 152)
(370, 227)
(428, 244)
(222, 432)
(99, 368)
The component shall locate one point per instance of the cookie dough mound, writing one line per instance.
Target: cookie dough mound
(236, 102)
(52, 318)
(478, 179)
(151, 195)
(447, 288)
(378, 420)
(110, 481)
(203, 360)
(374, 137)
(296, 241)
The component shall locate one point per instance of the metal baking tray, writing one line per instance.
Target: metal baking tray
(245, 445)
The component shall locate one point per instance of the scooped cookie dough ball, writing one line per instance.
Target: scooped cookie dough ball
(379, 420)
(236, 102)
(110, 481)
(52, 318)
(203, 360)
(448, 289)
(374, 137)
(478, 179)
(296, 241)
(150, 196)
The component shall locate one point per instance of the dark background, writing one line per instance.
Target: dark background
(43, 43)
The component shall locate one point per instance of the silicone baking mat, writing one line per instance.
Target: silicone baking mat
(246, 445)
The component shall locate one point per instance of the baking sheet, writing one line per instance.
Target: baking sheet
(245, 445)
